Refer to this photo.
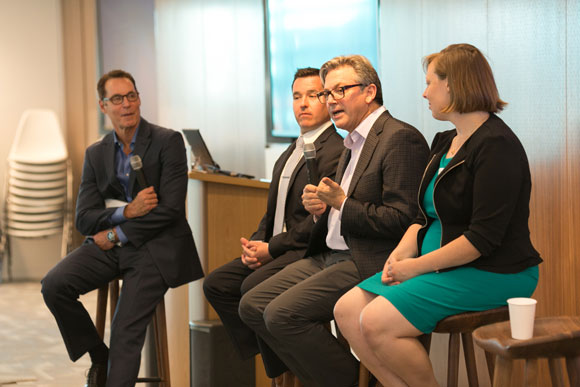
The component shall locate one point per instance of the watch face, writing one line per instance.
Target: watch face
(111, 236)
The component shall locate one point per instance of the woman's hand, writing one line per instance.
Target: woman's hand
(397, 270)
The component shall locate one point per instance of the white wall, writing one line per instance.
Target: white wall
(31, 76)
(211, 76)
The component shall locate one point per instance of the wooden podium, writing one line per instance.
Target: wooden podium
(232, 207)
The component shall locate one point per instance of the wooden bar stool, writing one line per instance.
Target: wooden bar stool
(159, 329)
(460, 328)
(554, 338)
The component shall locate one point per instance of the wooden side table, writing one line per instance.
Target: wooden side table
(554, 338)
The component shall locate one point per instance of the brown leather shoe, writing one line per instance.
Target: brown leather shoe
(97, 375)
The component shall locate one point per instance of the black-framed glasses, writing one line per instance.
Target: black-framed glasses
(337, 93)
(117, 99)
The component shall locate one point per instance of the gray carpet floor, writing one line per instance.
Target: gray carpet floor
(31, 349)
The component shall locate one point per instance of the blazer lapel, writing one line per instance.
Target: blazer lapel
(367, 151)
(142, 143)
(110, 170)
(342, 164)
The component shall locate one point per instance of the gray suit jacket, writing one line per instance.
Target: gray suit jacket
(164, 232)
(382, 197)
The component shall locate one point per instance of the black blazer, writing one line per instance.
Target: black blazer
(329, 146)
(164, 232)
(382, 197)
(484, 194)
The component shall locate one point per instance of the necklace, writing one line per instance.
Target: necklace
(454, 147)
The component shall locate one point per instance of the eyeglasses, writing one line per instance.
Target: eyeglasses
(337, 93)
(117, 99)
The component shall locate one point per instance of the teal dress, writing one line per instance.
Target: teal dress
(426, 299)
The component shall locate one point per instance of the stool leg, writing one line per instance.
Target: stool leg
(453, 360)
(425, 340)
(114, 296)
(490, 360)
(160, 329)
(101, 310)
(556, 372)
(531, 373)
(573, 366)
(503, 372)
(469, 354)
(363, 376)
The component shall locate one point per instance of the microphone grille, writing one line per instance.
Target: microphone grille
(136, 162)
(309, 151)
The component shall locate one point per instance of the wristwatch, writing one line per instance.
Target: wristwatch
(111, 237)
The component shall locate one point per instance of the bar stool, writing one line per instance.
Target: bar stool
(159, 329)
(459, 327)
(554, 338)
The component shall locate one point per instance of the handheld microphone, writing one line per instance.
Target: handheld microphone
(137, 166)
(310, 158)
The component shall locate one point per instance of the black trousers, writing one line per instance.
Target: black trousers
(225, 286)
(88, 268)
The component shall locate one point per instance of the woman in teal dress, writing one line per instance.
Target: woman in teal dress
(469, 248)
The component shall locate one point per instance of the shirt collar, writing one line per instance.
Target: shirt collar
(312, 135)
(132, 140)
(362, 130)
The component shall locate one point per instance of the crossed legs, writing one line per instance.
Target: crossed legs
(383, 339)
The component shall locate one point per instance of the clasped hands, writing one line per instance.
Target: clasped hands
(145, 201)
(399, 269)
(255, 253)
(317, 199)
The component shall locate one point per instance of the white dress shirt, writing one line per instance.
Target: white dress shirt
(355, 142)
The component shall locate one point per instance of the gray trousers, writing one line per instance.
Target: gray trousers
(290, 309)
(88, 268)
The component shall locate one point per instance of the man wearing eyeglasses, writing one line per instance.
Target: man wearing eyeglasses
(139, 233)
(359, 218)
(282, 235)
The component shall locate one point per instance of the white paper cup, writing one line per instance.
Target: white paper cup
(522, 312)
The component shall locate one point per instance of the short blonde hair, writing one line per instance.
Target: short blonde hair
(469, 77)
(363, 69)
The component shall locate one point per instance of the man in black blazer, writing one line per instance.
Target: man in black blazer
(139, 233)
(359, 221)
(283, 232)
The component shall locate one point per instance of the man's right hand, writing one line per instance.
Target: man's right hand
(311, 201)
(144, 202)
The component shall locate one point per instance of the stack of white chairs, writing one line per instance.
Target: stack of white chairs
(38, 189)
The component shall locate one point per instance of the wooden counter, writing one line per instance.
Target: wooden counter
(231, 208)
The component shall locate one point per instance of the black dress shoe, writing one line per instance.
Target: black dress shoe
(97, 375)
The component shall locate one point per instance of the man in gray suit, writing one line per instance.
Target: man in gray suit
(359, 221)
(282, 235)
(146, 240)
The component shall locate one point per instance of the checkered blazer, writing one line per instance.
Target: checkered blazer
(382, 197)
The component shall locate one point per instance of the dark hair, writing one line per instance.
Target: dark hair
(366, 73)
(469, 77)
(305, 73)
(109, 75)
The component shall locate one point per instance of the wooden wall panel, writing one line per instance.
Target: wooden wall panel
(573, 147)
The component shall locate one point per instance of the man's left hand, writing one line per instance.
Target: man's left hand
(331, 193)
(101, 240)
(258, 250)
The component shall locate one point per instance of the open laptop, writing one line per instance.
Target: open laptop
(203, 157)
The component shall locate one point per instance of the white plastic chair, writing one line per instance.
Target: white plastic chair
(38, 189)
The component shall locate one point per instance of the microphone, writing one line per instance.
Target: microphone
(137, 166)
(310, 158)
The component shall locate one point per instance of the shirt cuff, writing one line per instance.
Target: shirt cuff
(121, 235)
(117, 217)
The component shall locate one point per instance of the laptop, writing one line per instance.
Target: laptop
(203, 157)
